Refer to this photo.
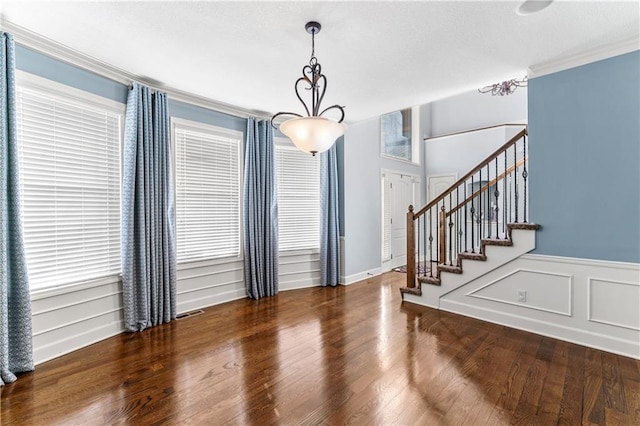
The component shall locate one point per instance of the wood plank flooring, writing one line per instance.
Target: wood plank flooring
(329, 356)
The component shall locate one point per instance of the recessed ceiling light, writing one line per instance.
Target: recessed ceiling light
(532, 6)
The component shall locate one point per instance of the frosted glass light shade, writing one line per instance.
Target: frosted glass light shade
(313, 134)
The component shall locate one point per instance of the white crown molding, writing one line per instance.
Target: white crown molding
(586, 57)
(41, 44)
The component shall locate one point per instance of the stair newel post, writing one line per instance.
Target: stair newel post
(443, 235)
(524, 175)
(411, 249)
(515, 179)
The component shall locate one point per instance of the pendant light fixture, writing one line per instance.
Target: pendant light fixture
(313, 133)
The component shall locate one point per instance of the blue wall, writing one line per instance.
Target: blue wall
(584, 127)
(53, 69)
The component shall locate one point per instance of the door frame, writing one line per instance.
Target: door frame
(417, 182)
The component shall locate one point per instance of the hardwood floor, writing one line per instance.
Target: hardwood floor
(345, 355)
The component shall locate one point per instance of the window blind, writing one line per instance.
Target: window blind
(298, 175)
(69, 153)
(207, 194)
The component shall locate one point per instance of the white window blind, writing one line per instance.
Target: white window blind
(208, 189)
(298, 175)
(69, 152)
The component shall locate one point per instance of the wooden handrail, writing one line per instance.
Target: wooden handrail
(473, 171)
(519, 163)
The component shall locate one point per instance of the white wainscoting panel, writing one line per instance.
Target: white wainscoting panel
(298, 270)
(69, 318)
(206, 284)
(614, 303)
(543, 291)
(590, 302)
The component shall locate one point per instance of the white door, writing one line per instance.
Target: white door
(398, 191)
(436, 185)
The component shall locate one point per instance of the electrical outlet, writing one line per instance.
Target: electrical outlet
(522, 296)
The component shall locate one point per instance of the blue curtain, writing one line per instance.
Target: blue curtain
(329, 219)
(148, 213)
(16, 346)
(260, 211)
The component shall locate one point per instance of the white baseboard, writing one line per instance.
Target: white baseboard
(354, 278)
(603, 342)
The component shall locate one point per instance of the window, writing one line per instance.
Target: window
(298, 175)
(69, 154)
(208, 189)
(399, 132)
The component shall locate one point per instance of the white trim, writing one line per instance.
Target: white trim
(586, 57)
(193, 290)
(590, 299)
(569, 334)
(524, 305)
(206, 274)
(361, 276)
(111, 329)
(77, 321)
(34, 82)
(41, 44)
(47, 292)
(582, 261)
(195, 264)
(77, 303)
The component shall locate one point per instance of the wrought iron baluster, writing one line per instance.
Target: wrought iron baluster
(473, 219)
(496, 209)
(488, 211)
(515, 179)
(524, 174)
(418, 247)
(459, 232)
(430, 244)
(450, 233)
(504, 196)
(479, 220)
(437, 234)
(465, 217)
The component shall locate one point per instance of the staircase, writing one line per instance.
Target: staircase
(473, 227)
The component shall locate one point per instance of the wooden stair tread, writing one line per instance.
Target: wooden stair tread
(453, 269)
(411, 290)
(529, 226)
(472, 256)
(429, 280)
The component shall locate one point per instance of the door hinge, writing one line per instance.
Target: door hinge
(391, 220)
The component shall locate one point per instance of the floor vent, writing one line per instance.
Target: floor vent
(189, 314)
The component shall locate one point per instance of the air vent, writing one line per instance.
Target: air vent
(189, 314)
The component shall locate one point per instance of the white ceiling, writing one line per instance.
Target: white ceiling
(377, 56)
